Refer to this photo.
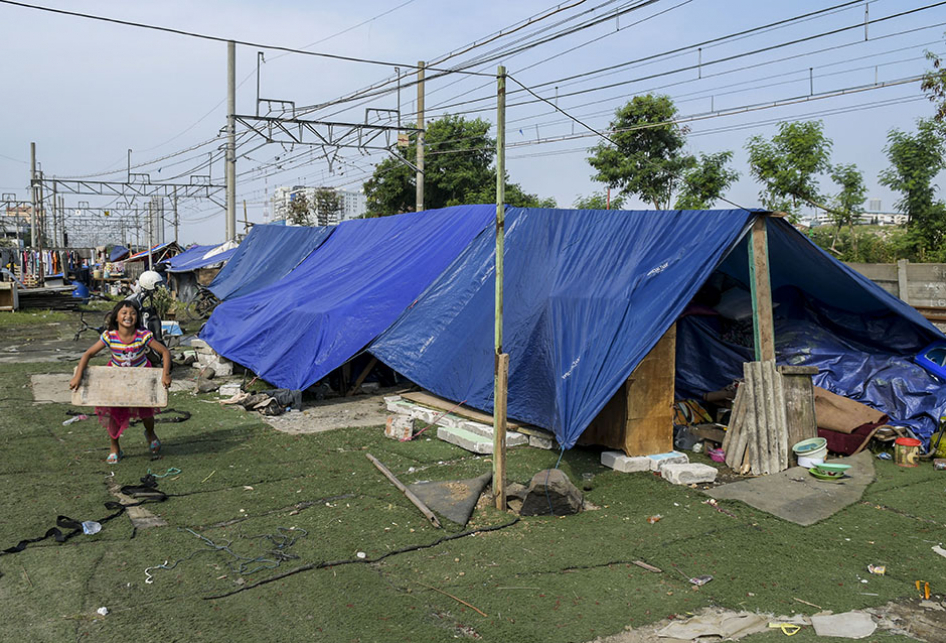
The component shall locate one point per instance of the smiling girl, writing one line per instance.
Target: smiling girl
(128, 342)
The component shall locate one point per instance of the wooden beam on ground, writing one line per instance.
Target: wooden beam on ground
(407, 492)
(761, 287)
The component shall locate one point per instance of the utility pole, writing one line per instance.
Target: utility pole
(420, 137)
(501, 372)
(246, 220)
(231, 140)
(55, 241)
(41, 219)
(177, 222)
(34, 188)
(62, 222)
(150, 234)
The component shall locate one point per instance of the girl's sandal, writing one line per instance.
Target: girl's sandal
(155, 446)
(113, 458)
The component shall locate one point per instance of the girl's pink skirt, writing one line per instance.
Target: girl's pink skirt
(117, 418)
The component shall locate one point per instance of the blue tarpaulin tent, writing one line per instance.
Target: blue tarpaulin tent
(297, 330)
(268, 254)
(193, 254)
(587, 295)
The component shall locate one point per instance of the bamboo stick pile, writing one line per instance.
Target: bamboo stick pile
(757, 441)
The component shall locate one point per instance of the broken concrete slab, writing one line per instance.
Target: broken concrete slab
(658, 460)
(513, 439)
(850, 625)
(550, 491)
(538, 442)
(466, 440)
(690, 473)
(399, 427)
(618, 461)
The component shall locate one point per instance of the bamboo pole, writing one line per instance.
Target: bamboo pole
(407, 492)
(501, 359)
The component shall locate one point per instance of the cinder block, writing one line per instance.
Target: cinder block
(538, 442)
(221, 366)
(692, 473)
(423, 414)
(625, 463)
(398, 406)
(660, 460)
(466, 440)
(399, 427)
(513, 438)
(450, 420)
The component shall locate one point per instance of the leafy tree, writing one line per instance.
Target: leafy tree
(848, 204)
(915, 161)
(328, 203)
(706, 181)
(299, 210)
(787, 165)
(646, 157)
(457, 170)
(598, 201)
(934, 85)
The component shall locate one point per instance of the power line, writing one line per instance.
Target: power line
(192, 34)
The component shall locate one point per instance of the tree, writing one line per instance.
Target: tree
(706, 181)
(646, 157)
(299, 210)
(915, 161)
(848, 204)
(328, 203)
(934, 85)
(457, 170)
(598, 201)
(787, 165)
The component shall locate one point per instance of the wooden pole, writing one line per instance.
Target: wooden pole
(407, 492)
(501, 361)
(762, 324)
(419, 178)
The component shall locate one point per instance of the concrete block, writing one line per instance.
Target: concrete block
(425, 415)
(513, 438)
(625, 463)
(450, 420)
(392, 398)
(229, 390)
(398, 406)
(537, 442)
(466, 440)
(399, 427)
(221, 366)
(691, 473)
(659, 460)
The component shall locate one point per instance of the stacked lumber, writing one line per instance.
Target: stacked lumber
(757, 441)
(52, 298)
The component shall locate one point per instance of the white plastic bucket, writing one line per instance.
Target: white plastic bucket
(811, 452)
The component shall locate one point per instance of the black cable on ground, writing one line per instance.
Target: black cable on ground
(350, 561)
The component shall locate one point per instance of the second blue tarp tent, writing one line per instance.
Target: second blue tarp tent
(295, 331)
(268, 254)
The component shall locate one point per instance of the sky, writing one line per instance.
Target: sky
(87, 91)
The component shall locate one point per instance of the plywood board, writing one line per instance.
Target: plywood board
(116, 386)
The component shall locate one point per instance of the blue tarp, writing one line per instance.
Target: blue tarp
(201, 261)
(117, 252)
(861, 338)
(268, 254)
(194, 253)
(297, 330)
(587, 295)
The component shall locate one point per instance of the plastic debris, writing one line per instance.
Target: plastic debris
(654, 519)
(102, 610)
(75, 418)
(879, 570)
(361, 554)
(90, 527)
(939, 550)
(699, 581)
(883, 455)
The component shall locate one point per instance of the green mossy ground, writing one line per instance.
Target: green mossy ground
(545, 579)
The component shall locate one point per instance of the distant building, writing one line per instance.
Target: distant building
(874, 215)
(353, 204)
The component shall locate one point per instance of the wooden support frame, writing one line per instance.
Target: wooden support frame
(761, 287)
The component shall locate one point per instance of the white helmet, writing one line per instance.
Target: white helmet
(149, 280)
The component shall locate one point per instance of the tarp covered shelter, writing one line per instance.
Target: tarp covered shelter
(195, 267)
(190, 255)
(298, 329)
(268, 254)
(589, 293)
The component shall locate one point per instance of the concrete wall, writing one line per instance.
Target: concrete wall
(922, 285)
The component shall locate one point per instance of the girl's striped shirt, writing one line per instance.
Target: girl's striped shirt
(134, 353)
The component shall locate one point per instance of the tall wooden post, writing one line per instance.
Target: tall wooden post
(420, 138)
(762, 323)
(501, 359)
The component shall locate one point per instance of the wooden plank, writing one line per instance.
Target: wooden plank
(439, 403)
(799, 394)
(739, 441)
(761, 287)
(115, 386)
(407, 492)
(649, 426)
(783, 446)
(499, 431)
(754, 417)
(361, 377)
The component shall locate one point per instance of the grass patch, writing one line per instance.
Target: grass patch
(544, 579)
(32, 318)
